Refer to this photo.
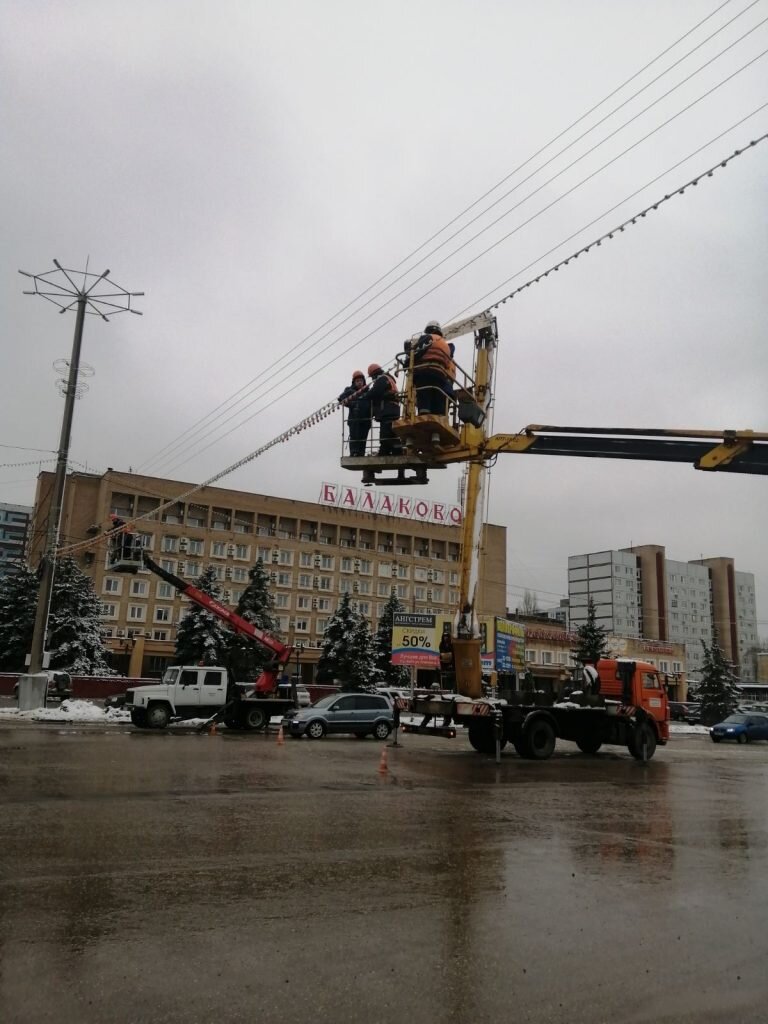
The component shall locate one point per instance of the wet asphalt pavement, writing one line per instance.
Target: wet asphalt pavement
(179, 878)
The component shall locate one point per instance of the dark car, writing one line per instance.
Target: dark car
(356, 713)
(741, 728)
(685, 711)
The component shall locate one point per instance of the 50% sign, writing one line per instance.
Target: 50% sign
(413, 640)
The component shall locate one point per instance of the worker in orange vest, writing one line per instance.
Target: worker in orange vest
(433, 371)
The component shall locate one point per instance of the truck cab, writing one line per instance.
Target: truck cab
(185, 691)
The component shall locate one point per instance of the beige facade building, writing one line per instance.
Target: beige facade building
(315, 553)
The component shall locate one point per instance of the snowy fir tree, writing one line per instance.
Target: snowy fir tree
(75, 639)
(391, 675)
(18, 602)
(718, 690)
(591, 643)
(246, 658)
(201, 639)
(347, 653)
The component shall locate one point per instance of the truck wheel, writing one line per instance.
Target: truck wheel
(642, 746)
(381, 730)
(539, 739)
(589, 745)
(316, 729)
(139, 718)
(256, 718)
(481, 738)
(158, 716)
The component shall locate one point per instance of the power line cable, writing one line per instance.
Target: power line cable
(260, 380)
(330, 407)
(334, 359)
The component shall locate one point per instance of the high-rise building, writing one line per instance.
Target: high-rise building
(315, 553)
(15, 523)
(638, 591)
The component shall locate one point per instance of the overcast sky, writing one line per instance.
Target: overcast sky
(253, 167)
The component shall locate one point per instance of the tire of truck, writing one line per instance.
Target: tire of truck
(139, 718)
(158, 716)
(316, 729)
(539, 739)
(255, 718)
(642, 745)
(481, 738)
(589, 745)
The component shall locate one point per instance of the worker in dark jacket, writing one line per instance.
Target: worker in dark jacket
(357, 399)
(385, 407)
(433, 371)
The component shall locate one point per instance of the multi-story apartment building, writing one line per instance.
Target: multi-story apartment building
(679, 602)
(15, 523)
(612, 580)
(314, 553)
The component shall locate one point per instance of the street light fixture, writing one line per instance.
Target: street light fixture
(60, 287)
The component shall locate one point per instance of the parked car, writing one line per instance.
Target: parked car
(357, 713)
(742, 728)
(393, 692)
(685, 711)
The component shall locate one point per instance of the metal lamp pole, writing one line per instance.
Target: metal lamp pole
(84, 299)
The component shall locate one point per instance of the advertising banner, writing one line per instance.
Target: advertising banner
(414, 641)
(510, 646)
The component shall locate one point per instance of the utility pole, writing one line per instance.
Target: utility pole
(60, 287)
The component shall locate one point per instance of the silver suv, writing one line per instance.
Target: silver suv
(358, 713)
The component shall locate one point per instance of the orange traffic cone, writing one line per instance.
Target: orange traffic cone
(280, 736)
(383, 769)
(212, 729)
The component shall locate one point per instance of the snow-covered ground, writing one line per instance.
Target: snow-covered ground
(682, 729)
(70, 711)
(84, 712)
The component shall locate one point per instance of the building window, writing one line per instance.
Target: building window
(384, 589)
(112, 585)
(364, 607)
(160, 634)
(546, 657)
(302, 625)
(284, 579)
(402, 590)
(139, 588)
(168, 544)
(242, 551)
(193, 570)
(345, 586)
(364, 586)
(322, 625)
(239, 574)
(303, 603)
(168, 565)
(366, 567)
(145, 540)
(137, 612)
(282, 600)
(326, 561)
(530, 657)
(305, 581)
(108, 611)
(346, 565)
(326, 583)
(163, 614)
(164, 590)
(420, 593)
(218, 549)
(196, 547)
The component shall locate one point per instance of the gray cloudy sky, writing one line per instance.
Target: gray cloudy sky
(254, 166)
